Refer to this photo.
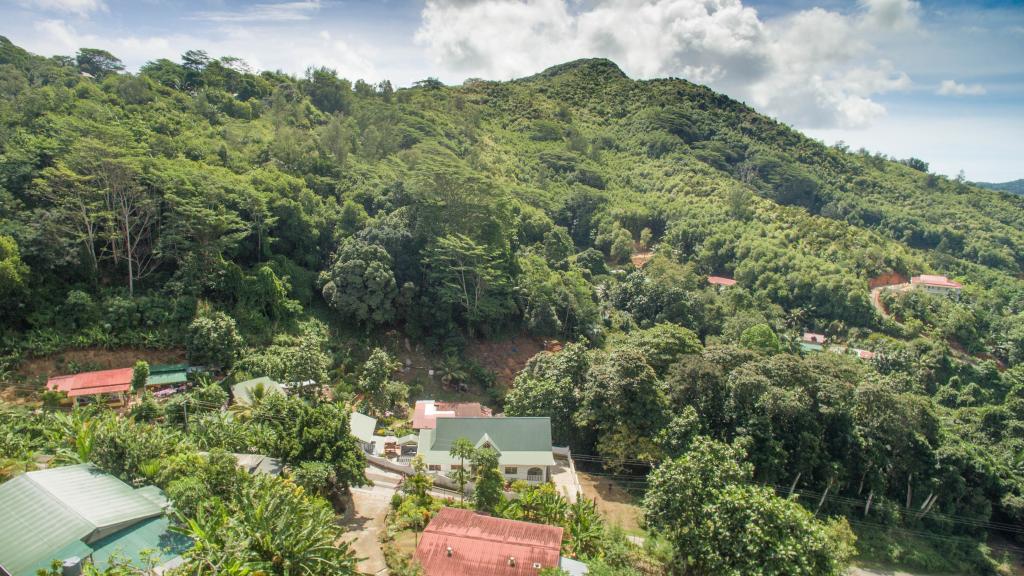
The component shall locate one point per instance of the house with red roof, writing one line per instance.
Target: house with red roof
(428, 411)
(461, 542)
(720, 282)
(95, 385)
(934, 284)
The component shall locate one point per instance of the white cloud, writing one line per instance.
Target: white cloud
(954, 88)
(271, 12)
(79, 7)
(292, 50)
(892, 14)
(814, 68)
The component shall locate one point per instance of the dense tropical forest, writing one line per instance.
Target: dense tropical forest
(290, 226)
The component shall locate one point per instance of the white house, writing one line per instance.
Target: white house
(523, 445)
(936, 285)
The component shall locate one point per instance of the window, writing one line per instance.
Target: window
(456, 466)
(434, 467)
(511, 470)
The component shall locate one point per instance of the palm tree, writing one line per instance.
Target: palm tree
(462, 449)
(585, 528)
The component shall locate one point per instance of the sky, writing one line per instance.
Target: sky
(942, 81)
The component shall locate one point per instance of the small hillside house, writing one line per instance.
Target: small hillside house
(939, 285)
(98, 386)
(428, 411)
(720, 282)
(362, 427)
(523, 445)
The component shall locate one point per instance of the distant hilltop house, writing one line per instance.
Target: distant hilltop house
(95, 386)
(812, 342)
(720, 282)
(463, 543)
(523, 445)
(77, 514)
(934, 284)
(428, 411)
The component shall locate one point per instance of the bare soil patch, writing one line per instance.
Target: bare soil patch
(95, 359)
(618, 506)
(505, 357)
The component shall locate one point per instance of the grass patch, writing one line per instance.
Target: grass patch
(892, 549)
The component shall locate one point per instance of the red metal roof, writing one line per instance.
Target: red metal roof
(933, 280)
(88, 383)
(428, 411)
(721, 281)
(482, 546)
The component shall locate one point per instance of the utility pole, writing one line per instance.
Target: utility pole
(185, 405)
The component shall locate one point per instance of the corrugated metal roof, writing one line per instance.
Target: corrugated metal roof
(520, 441)
(362, 426)
(99, 498)
(34, 526)
(165, 378)
(87, 383)
(483, 546)
(154, 535)
(573, 567)
(49, 514)
(428, 411)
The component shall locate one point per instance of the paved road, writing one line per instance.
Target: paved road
(366, 525)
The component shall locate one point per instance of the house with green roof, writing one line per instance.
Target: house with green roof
(161, 375)
(244, 392)
(363, 427)
(81, 512)
(523, 445)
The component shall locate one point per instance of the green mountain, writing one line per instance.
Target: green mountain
(1013, 187)
(284, 226)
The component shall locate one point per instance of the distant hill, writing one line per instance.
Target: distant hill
(1013, 187)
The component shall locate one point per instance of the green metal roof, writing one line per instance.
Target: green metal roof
(154, 535)
(165, 378)
(362, 426)
(519, 441)
(243, 390)
(34, 526)
(161, 368)
(52, 514)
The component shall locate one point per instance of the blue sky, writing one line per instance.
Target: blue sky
(943, 81)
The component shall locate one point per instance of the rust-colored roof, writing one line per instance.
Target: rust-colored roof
(721, 281)
(482, 545)
(88, 383)
(933, 280)
(813, 338)
(428, 411)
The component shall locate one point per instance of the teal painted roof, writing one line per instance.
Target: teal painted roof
(519, 441)
(50, 514)
(154, 535)
(165, 378)
(243, 390)
(362, 426)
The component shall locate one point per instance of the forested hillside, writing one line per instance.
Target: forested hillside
(260, 220)
(1013, 187)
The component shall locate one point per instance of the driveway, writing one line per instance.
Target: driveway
(365, 525)
(565, 481)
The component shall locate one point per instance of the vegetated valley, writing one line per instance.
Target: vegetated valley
(310, 229)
